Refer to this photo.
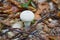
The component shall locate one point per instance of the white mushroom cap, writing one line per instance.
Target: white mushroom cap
(27, 15)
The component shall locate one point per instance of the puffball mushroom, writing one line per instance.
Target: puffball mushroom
(27, 16)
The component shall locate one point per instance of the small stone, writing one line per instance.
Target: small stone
(30, 36)
(10, 34)
(50, 19)
(17, 25)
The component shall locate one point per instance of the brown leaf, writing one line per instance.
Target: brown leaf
(58, 14)
(53, 38)
(38, 11)
(43, 6)
(46, 29)
(56, 1)
(37, 17)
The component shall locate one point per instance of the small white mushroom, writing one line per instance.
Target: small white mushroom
(17, 25)
(27, 16)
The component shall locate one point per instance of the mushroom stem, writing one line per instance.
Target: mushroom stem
(27, 24)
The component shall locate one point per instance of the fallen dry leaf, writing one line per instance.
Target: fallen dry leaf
(37, 17)
(46, 29)
(52, 37)
(58, 14)
(38, 12)
(43, 6)
(56, 1)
